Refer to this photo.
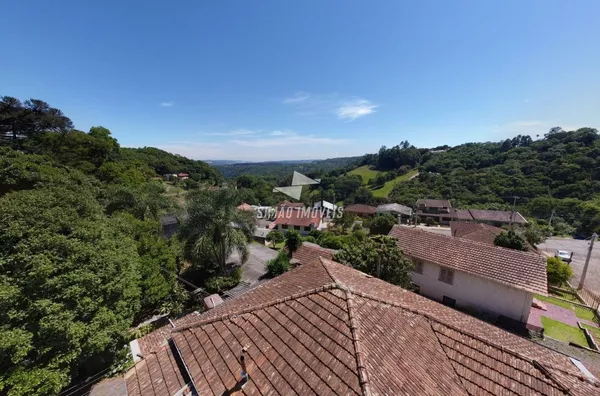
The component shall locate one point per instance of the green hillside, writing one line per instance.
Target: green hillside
(365, 172)
(388, 186)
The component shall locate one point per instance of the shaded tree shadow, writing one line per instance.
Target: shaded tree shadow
(236, 388)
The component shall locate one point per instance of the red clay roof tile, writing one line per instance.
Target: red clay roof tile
(521, 270)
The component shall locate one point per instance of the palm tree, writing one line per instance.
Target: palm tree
(293, 241)
(214, 229)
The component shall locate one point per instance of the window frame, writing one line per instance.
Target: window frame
(446, 275)
(449, 301)
(418, 269)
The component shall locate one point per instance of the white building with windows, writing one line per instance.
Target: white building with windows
(458, 272)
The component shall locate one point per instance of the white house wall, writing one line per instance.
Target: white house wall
(471, 291)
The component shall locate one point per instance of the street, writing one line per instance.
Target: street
(579, 249)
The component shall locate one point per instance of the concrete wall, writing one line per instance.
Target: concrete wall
(475, 292)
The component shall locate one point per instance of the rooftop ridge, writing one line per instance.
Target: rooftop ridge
(477, 337)
(231, 315)
(363, 376)
(469, 241)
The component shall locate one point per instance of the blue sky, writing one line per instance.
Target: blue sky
(268, 80)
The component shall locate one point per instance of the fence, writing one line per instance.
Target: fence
(591, 299)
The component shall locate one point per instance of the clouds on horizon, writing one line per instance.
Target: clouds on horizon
(355, 109)
(330, 105)
(167, 104)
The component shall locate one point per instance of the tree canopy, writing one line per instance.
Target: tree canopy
(378, 252)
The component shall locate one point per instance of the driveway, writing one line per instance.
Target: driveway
(254, 268)
(579, 249)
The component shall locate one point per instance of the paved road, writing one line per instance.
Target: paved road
(579, 249)
(254, 268)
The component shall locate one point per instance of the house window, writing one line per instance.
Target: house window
(284, 226)
(418, 267)
(448, 301)
(446, 276)
(415, 288)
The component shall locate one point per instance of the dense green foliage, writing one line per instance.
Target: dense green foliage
(81, 256)
(558, 271)
(382, 224)
(282, 169)
(214, 229)
(560, 173)
(293, 241)
(510, 240)
(278, 265)
(378, 252)
(275, 236)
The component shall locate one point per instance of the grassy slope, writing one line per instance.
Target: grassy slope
(388, 186)
(368, 174)
(563, 332)
(365, 172)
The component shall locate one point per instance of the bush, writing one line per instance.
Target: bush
(331, 241)
(558, 271)
(429, 221)
(315, 233)
(309, 239)
(275, 236)
(278, 265)
(510, 240)
(382, 224)
(217, 284)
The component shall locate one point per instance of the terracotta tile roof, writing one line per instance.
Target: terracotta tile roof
(157, 374)
(462, 214)
(324, 328)
(298, 218)
(502, 216)
(434, 203)
(288, 204)
(160, 337)
(360, 208)
(310, 252)
(474, 231)
(355, 334)
(521, 270)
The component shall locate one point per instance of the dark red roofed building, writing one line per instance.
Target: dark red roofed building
(492, 280)
(497, 217)
(327, 329)
(303, 220)
(361, 210)
(288, 204)
(311, 252)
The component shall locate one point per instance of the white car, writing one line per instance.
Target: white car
(563, 255)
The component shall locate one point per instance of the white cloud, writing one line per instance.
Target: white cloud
(324, 105)
(167, 104)
(298, 97)
(282, 133)
(355, 109)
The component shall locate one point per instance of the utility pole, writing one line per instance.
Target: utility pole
(587, 261)
(551, 217)
(512, 215)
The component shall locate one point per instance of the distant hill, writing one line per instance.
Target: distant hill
(282, 169)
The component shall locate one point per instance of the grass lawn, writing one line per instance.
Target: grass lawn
(365, 172)
(388, 186)
(579, 311)
(563, 332)
(565, 296)
(594, 331)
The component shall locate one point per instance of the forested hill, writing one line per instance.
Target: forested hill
(559, 172)
(281, 170)
(82, 259)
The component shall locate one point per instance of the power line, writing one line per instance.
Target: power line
(87, 382)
